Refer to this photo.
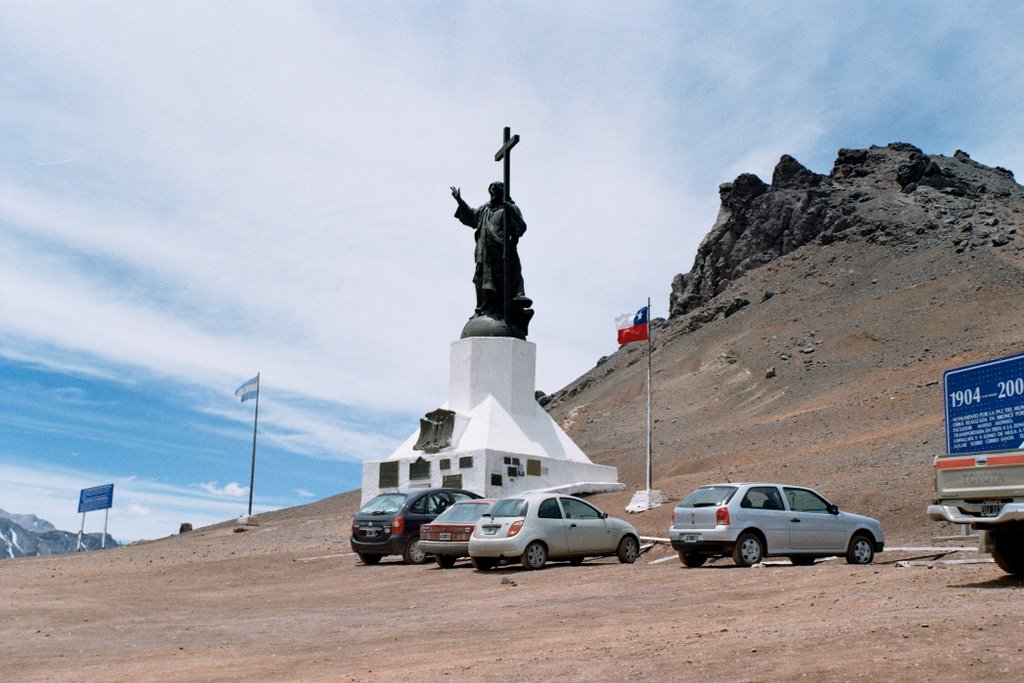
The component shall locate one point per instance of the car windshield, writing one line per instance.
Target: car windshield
(384, 504)
(708, 496)
(508, 507)
(462, 512)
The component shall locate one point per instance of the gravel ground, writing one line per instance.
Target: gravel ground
(287, 600)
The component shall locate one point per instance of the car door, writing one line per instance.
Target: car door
(551, 525)
(424, 509)
(762, 507)
(586, 530)
(812, 527)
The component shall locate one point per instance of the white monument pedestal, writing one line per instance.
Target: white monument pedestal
(502, 442)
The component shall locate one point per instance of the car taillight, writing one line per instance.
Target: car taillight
(722, 515)
(397, 525)
(467, 530)
(514, 528)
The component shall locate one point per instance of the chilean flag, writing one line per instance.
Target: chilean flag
(632, 328)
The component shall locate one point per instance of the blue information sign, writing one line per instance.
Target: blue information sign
(96, 498)
(985, 406)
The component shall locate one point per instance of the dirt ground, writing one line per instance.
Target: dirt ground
(287, 600)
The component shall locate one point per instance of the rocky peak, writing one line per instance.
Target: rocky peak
(895, 194)
(790, 173)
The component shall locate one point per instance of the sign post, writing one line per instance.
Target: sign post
(95, 498)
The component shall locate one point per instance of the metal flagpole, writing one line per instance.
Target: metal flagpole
(255, 421)
(648, 393)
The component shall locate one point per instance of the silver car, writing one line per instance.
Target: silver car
(750, 521)
(537, 527)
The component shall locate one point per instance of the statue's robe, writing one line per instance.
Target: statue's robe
(488, 223)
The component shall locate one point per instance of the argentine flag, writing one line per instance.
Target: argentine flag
(249, 389)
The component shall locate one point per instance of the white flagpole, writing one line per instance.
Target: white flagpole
(81, 528)
(648, 393)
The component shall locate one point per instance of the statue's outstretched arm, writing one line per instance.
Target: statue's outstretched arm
(464, 212)
(457, 193)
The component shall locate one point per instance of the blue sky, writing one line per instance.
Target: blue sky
(193, 192)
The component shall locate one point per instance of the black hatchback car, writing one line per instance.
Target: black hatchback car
(389, 524)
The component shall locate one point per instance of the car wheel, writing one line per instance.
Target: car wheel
(367, 558)
(628, 550)
(483, 563)
(692, 560)
(861, 550)
(1008, 553)
(535, 555)
(576, 561)
(445, 561)
(802, 560)
(412, 553)
(749, 549)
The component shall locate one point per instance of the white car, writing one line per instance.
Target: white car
(750, 521)
(537, 527)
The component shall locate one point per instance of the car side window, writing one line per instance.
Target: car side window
(549, 509)
(762, 498)
(577, 509)
(802, 500)
(459, 495)
(442, 501)
(419, 506)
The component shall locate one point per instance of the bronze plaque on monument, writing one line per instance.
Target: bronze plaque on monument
(436, 429)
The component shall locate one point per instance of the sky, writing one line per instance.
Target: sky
(194, 192)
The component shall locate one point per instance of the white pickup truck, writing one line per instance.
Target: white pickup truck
(985, 490)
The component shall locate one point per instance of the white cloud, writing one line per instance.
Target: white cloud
(372, 291)
(229, 490)
(302, 493)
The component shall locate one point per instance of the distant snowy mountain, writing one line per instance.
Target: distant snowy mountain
(27, 522)
(28, 535)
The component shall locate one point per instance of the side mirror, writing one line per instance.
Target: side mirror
(832, 509)
(604, 515)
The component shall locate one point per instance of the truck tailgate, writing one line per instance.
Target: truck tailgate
(983, 476)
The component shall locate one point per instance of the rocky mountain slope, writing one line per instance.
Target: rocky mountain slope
(885, 195)
(28, 535)
(808, 341)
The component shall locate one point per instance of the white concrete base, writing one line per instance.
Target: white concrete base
(646, 499)
(503, 442)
